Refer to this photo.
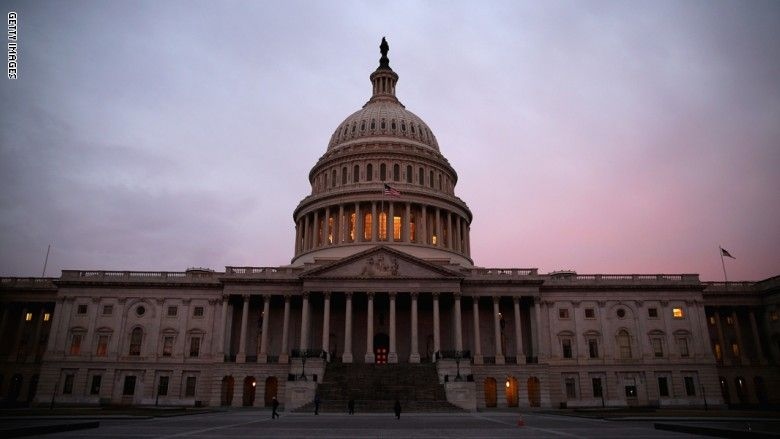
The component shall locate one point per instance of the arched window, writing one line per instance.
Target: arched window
(430, 181)
(408, 173)
(363, 126)
(356, 174)
(367, 226)
(344, 175)
(396, 172)
(412, 126)
(392, 125)
(383, 124)
(369, 172)
(624, 344)
(440, 188)
(383, 172)
(421, 177)
(333, 179)
(136, 337)
(373, 124)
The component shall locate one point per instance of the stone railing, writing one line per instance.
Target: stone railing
(731, 287)
(157, 276)
(262, 272)
(630, 278)
(504, 271)
(27, 282)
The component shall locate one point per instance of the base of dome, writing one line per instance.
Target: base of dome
(335, 253)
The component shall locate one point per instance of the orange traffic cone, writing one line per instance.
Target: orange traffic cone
(520, 422)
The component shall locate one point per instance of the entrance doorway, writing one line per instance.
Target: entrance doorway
(381, 347)
(511, 392)
(227, 391)
(534, 392)
(490, 392)
(270, 390)
(249, 391)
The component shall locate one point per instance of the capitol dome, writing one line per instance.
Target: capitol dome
(383, 181)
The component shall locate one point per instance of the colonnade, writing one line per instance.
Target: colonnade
(741, 354)
(348, 355)
(360, 222)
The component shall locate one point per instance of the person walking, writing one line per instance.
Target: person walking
(351, 406)
(317, 404)
(275, 406)
(397, 409)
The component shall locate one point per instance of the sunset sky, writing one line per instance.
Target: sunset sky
(602, 137)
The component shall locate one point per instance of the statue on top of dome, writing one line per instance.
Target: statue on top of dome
(384, 62)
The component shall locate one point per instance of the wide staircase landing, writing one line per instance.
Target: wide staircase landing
(375, 387)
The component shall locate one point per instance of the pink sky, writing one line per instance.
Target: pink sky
(604, 137)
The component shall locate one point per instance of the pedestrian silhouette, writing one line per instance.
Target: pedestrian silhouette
(317, 404)
(351, 406)
(274, 405)
(397, 409)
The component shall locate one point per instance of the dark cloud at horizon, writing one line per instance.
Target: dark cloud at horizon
(605, 137)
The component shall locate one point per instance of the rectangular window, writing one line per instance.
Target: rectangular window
(190, 387)
(652, 313)
(598, 392)
(711, 319)
(46, 316)
(82, 309)
(129, 387)
(28, 317)
(102, 346)
(571, 388)
(682, 346)
(75, 344)
(194, 346)
(397, 228)
(734, 349)
(663, 387)
(94, 387)
(658, 347)
(718, 352)
(729, 320)
(678, 313)
(563, 313)
(690, 387)
(108, 310)
(590, 313)
(67, 387)
(167, 346)
(566, 347)
(198, 311)
(774, 316)
(593, 348)
(172, 311)
(162, 386)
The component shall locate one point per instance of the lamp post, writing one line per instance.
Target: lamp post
(303, 365)
(458, 356)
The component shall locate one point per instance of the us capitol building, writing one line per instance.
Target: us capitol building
(382, 280)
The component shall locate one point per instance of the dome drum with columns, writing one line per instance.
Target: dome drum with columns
(348, 211)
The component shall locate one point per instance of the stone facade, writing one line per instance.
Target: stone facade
(382, 273)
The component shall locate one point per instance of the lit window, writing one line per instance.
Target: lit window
(28, 316)
(677, 313)
(397, 228)
(711, 319)
(331, 226)
(718, 352)
(352, 227)
(433, 239)
(729, 320)
(46, 316)
(368, 223)
(563, 313)
(735, 349)
(774, 316)
(382, 226)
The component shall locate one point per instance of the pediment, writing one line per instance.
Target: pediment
(381, 263)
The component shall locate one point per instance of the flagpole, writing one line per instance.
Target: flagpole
(725, 277)
(46, 261)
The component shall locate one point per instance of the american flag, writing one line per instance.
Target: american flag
(391, 191)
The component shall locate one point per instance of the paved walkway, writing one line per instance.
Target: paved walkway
(257, 423)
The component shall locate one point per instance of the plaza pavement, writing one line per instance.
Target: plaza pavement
(250, 423)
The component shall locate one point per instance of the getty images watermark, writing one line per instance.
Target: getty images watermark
(13, 41)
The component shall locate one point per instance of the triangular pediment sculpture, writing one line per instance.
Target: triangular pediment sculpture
(381, 263)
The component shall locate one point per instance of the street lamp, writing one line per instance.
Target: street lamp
(303, 365)
(458, 356)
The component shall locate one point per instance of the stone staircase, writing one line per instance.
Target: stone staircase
(375, 387)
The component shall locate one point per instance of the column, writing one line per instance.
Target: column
(317, 238)
(436, 334)
(297, 236)
(222, 332)
(241, 358)
(35, 342)
(358, 224)
(326, 228)
(347, 357)
(414, 356)
(390, 223)
(458, 325)
(438, 228)
(519, 331)
(392, 356)
(305, 322)
(497, 331)
(721, 341)
(263, 356)
(340, 235)
(757, 342)
(449, 231)
(306, 233)
(284, 355)
(374, 222)
(468, 240)
(370, 358)
(536, 339)
(407, 222)
(738, 332)
(54, 329)
(424, 227)
(326, 324)
(458, 222)
(477, 356)
(18, 337)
